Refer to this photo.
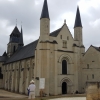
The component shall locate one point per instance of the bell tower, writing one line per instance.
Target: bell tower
(15, 41)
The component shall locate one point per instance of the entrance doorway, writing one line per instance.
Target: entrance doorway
(64, 88)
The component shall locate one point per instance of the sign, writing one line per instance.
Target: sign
(42, 83)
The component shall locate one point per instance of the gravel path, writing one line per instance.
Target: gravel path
(70, 98)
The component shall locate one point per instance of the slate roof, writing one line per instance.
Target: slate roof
(78, 19)
(45, 13)
(4, 54)
(3, 58)
(97, 48)
(25, 52)
(55, 33)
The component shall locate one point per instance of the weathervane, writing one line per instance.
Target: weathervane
(16, 22)
(21, 23)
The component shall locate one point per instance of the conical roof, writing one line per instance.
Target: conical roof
(45, 13)
(78, 19)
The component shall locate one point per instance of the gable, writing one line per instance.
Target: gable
(63, 37)
(65, 32)
(91, 57)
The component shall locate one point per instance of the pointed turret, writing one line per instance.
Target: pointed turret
(78, 29)
(44, 23)
(78, 19)
(45, 13)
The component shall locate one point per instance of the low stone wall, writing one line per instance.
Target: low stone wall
(1, 83)
(93, 91)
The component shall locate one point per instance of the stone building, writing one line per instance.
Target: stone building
(58, 57)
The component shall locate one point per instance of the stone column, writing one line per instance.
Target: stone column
(21, 81)
(27, 80)
(3, 77)
(32, 73)
(12, 82)
(16, 80)
(55, 74)
(8, 77)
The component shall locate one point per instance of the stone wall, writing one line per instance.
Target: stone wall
(93, 91)
(1, 83)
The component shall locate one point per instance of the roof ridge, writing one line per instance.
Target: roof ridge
(30, 43)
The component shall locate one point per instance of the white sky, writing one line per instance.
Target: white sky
(29, 11)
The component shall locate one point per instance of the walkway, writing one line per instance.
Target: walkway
(70, 98)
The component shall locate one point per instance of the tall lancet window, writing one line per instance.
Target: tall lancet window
(64, 67)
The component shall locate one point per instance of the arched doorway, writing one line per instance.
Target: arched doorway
(64, 88)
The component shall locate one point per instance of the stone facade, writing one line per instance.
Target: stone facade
(58, 57)
(17, 75)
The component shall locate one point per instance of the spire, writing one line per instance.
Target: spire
(45, 13)
(21, 37)
(16, 22)
(78, 19)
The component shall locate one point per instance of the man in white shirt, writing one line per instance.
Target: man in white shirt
(31, 88)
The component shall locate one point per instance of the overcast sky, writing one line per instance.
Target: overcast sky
(29, 11)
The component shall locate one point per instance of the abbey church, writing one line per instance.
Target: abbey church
(58, 57)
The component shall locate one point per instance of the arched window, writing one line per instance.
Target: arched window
(14, 49)
(64, 67)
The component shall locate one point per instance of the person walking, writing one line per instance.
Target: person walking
(31, 88)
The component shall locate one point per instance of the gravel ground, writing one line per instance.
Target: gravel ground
(5, 95)
(70, 98)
